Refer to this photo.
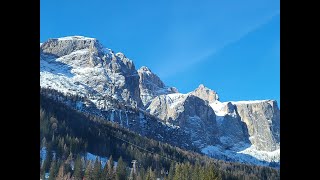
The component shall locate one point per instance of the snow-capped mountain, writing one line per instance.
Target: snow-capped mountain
(244, 131)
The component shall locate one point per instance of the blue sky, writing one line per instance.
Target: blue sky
(230, 46)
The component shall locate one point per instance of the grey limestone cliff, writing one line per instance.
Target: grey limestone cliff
(263, 121)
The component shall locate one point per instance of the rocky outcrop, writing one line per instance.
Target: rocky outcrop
(232, 130)
(151, 86)
(64, 46)
(262, 119)
(205, 93)
(189, 113)
(80, 65)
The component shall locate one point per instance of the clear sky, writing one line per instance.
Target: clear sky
(230, 46)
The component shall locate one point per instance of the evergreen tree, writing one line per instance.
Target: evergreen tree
(196, 172)
(121, 173)
(96, 174)
(109, 169)
(211, 173)
(88, 171)
(78, 167)
(43, 142)
(53, 170)
(150, 174)
(171, 171)
(61, 172)
(104, 172)
(178, 172)
(202, 172)
(141, 174)
(186, 171)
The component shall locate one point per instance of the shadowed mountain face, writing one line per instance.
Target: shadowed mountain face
(245, 131)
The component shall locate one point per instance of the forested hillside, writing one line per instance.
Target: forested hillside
(67, 135)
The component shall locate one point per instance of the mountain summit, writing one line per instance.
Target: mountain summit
(109, 85)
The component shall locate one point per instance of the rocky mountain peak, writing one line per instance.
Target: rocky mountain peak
(63, 46)
(144, 69)
(120, 55)
(151, 85)
(149, 78)
(205, 93)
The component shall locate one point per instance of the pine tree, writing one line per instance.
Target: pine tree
(104, 172)
(78, 167)
(150, 174)
(53, 170)
(61, 173)
(202, 172)
(186, 171)
(171, 171)
(211, 173)
(178, 172)
(121, 173)
(88, 171)
(108, 171)
(96, 174)
(43, 142)
(196, 172)
(141, 174)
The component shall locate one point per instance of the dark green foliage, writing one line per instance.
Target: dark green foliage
(108, 171)
(171, 171)
(88, 174)
(121, 173)
(150, 174)
(78, 167)
(97, 170)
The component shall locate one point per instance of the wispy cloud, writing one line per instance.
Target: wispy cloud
(192, 45)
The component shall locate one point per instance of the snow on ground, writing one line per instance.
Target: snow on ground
(218, 108)
(248, 102)
(43, 153)
(92, 158)
(88, 156)
(262, 155)
(249, 155)
(176, 99)
(74, 37)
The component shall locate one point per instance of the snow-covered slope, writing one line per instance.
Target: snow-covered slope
(244, 131)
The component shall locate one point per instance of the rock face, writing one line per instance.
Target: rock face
(231, 129)
(188, 112)
(205, 93)
(140, 101)
(263, 121)
(64, 46)
(81, 65)
(151, 86)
